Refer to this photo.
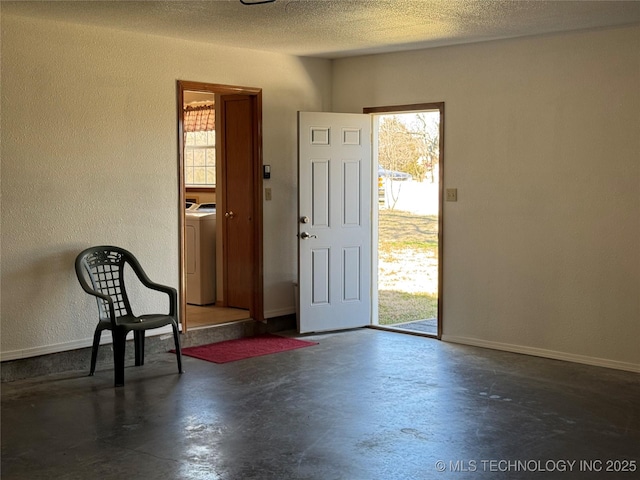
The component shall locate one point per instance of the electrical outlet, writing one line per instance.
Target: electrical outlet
(452, 194)
(267, 194)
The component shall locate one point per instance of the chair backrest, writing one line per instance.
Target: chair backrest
(104, 266)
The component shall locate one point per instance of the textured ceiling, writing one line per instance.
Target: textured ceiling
(338, 28)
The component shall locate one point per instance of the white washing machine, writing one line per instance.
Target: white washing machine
(200, 243)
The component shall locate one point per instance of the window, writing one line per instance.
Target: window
(199, 120)
(200, 158)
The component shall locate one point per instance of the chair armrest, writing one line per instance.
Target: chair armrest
(147, 282)
(172, 292)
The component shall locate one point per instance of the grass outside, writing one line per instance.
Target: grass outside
(399, 230)
(408, 249)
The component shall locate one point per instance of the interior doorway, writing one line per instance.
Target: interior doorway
(409, 148)
(220, 207)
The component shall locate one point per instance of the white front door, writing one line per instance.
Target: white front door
(334, 206)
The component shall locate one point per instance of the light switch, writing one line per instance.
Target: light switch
(267, 194)
(452, 194)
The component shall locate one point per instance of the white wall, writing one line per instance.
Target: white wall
(88, 123)
(542, 141)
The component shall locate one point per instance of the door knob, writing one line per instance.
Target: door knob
(229, 215)
(305, 235)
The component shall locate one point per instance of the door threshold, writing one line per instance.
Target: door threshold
(390, 328)
(219, 324)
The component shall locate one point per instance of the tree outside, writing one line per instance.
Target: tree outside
(410, 143)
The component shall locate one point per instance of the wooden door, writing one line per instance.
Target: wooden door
(239, 140)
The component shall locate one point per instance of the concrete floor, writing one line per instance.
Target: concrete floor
(363, 404)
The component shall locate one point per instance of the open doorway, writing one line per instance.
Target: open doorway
(220, 158)
(408, 228)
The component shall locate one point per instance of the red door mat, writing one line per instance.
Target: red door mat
(232, 350)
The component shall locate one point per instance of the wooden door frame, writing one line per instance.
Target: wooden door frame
(256, 310)
(417, 107)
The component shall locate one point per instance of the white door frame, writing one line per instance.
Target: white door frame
(373, 295)
(401, 109)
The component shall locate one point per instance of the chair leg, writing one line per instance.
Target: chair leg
(176, 340)
(119, 342)
(138, 340)
(94, 351)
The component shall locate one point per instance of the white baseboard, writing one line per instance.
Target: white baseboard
(541, 352)
(73, 345)
(105, 339)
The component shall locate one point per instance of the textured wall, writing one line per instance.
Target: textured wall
(541, 249)
(89, 156)
(542, 140)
